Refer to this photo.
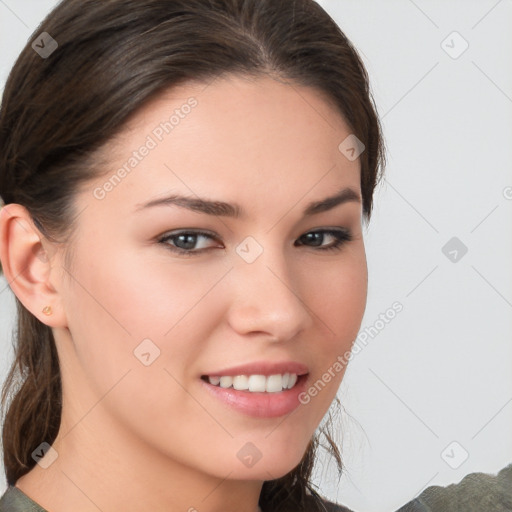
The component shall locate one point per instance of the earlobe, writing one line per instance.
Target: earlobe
(26, 265)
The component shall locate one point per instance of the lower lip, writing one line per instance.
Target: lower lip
(260, 404)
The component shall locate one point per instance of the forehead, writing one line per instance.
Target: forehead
(235, 134)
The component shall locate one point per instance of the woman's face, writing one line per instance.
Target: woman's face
(146, 324)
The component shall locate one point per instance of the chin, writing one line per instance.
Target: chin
(269, 468)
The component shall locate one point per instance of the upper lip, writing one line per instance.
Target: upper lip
(263, 368)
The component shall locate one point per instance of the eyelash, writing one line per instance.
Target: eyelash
(342, 236)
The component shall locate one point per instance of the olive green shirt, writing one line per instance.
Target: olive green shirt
(15, 500)
(476, 492)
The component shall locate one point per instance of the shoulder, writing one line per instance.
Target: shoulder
(15, 500)
(475, 492)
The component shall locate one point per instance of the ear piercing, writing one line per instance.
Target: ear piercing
(47, 310)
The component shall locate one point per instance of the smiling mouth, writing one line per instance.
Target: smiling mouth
(256, 383)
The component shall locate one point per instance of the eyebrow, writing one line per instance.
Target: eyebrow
(220, 208)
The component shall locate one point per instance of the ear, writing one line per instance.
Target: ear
(27, 266)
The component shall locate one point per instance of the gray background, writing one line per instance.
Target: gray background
(428, 399)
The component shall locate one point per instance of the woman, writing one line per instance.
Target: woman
(185, 184)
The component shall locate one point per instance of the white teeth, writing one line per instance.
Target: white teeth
(274, 383)
(241, 382)
(226, 382)
(256, 383)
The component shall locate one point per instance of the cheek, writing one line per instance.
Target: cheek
(118, 314)
(126, 296)
(338, 296)
(120, 307)
(338, 299)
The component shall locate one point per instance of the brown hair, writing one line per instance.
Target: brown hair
(112, 57)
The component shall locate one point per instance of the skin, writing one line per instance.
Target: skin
(136, 437)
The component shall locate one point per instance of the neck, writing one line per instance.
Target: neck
(109, 477)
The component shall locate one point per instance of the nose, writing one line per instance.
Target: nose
(267, 298)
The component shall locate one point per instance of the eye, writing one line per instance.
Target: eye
(184, 242)
(341, 236)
